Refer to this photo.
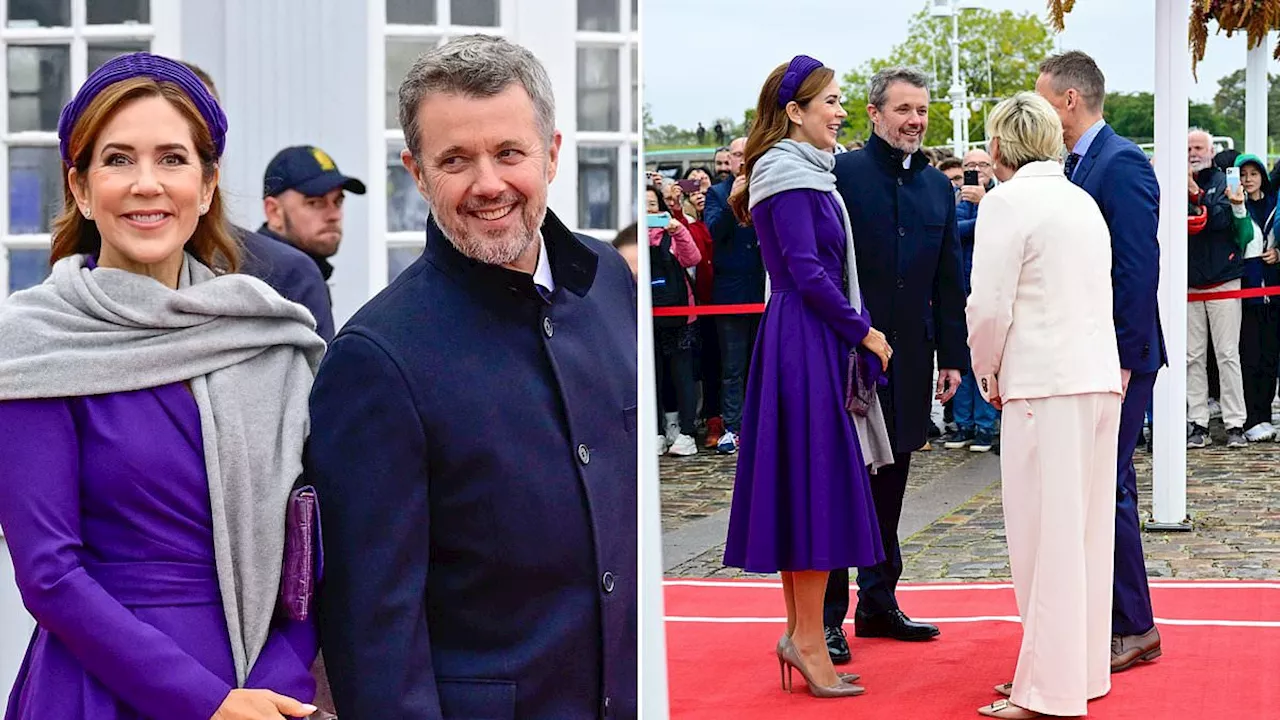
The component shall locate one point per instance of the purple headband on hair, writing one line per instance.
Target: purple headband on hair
(142, 64)
(797, 71)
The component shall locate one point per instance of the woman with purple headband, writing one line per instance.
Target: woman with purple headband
(811, 422)
(154, 406)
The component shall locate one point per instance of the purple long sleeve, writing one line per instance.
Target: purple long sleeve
(41, 515)
(790, 220)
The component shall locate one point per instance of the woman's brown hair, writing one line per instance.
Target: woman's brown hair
(772, 125)
(212, 242)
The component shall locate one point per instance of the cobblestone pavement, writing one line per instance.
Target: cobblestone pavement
(1233, 497)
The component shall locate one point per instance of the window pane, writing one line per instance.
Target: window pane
(598, 89)
(35, 189)
(406, 209)
(631, 188)
(27, 268)
(635, 88)
(597, 187)
(39, 85)
(635, 15)
(39, 13)
(599, 15)
(399, 258)
(481, 13)
(115, 12)
(411, 12)
(101, 53)
(400, 57)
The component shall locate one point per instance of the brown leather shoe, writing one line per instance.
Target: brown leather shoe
(1127, 650)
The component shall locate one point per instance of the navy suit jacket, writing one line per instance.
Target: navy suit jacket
(739, 269)
(290, 272)
(911, 275)
(1119, 177)
(473, 447)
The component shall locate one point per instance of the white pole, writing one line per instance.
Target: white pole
(958, 138)
(1173, 73)
(653, 642)
(1255, 99)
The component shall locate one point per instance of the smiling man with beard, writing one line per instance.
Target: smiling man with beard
(474, 431)
(902, 212)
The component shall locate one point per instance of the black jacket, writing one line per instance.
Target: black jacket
(1213, 257)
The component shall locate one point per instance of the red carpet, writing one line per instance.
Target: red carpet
(1221, 642)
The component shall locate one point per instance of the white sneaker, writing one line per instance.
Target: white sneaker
(1262, 432)
(673, 427)
(728, 443)
(1215, 410)
(662, 444)
(684, 446)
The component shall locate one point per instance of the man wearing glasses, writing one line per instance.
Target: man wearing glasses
(975, 419)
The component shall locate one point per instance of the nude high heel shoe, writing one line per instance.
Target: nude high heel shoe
(789, 658)
(844, 677)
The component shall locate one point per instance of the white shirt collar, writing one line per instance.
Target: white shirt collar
(542, 273)
(906, 161)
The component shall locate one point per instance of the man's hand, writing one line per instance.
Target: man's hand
(948, 384)
(973, 193)
(1193, 190)
(739, 184)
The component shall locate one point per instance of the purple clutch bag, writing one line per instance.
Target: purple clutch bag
(865, 374)
(303, 556)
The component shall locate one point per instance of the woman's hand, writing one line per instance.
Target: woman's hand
(673, 226)
(243, 704)
(1271, 257)
(876, 343)
(1236, 197)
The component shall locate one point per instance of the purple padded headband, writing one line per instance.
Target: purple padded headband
(797, 71)
(142, 64)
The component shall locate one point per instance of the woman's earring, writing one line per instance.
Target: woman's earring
(203, 208)
(88, 213)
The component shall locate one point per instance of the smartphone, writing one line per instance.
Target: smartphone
(659, 220)
(970, 177)
(1233, 178)
(689, 186)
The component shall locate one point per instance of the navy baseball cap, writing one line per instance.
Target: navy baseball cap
(307, 169)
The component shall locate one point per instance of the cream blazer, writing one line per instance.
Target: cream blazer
(1040, 312)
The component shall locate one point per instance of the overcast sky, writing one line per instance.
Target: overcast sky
(707, 58)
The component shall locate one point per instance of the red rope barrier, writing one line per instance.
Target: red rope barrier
(757, 308)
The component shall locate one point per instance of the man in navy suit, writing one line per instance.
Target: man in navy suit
(473, 439)
(1119, 177)
(903, 215)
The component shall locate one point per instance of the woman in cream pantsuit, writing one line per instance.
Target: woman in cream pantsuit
(1044, 352)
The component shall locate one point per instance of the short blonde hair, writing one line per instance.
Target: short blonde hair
(1028, 129)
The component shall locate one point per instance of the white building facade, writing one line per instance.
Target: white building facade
(317, 72)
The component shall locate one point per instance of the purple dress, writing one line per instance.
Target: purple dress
(802, 496)
(104, 503)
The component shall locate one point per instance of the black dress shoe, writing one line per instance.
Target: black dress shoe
(894, 624)
(837, 645)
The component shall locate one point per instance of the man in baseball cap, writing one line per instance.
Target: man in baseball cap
(303, 192)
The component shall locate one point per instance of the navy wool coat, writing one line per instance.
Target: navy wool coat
(911, 275)
(474, 450)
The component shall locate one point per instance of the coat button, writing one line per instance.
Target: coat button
(902, 232)
(899, 181)
(584, 454)
(547, 328)
(901, 283)
(606, 582)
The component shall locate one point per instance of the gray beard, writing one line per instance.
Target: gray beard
(1199, 165)
(900, 145)
(485, 250)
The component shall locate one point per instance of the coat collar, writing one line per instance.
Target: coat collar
(1091, 154)
(891, 157)
(326, 269)
(573, 263)
(1038, 169)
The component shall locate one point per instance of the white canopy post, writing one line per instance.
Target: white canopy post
(1169, 421)
(1256, 87)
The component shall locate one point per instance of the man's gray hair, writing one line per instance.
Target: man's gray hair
(476, 66)
(1074, 69)
(878, 88)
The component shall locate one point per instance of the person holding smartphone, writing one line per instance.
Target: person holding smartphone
(672, 251)
(1260, 317)
(975, 419)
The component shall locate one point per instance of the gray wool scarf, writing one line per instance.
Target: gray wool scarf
(790, 165)
(250, 357)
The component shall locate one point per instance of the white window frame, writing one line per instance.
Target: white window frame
(162, 34)
(624, 141)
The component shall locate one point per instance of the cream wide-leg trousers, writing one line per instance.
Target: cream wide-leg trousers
(1058, 470)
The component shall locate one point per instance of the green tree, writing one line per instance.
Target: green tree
(1000, 54)
(1131, 115)
(1229, 103)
